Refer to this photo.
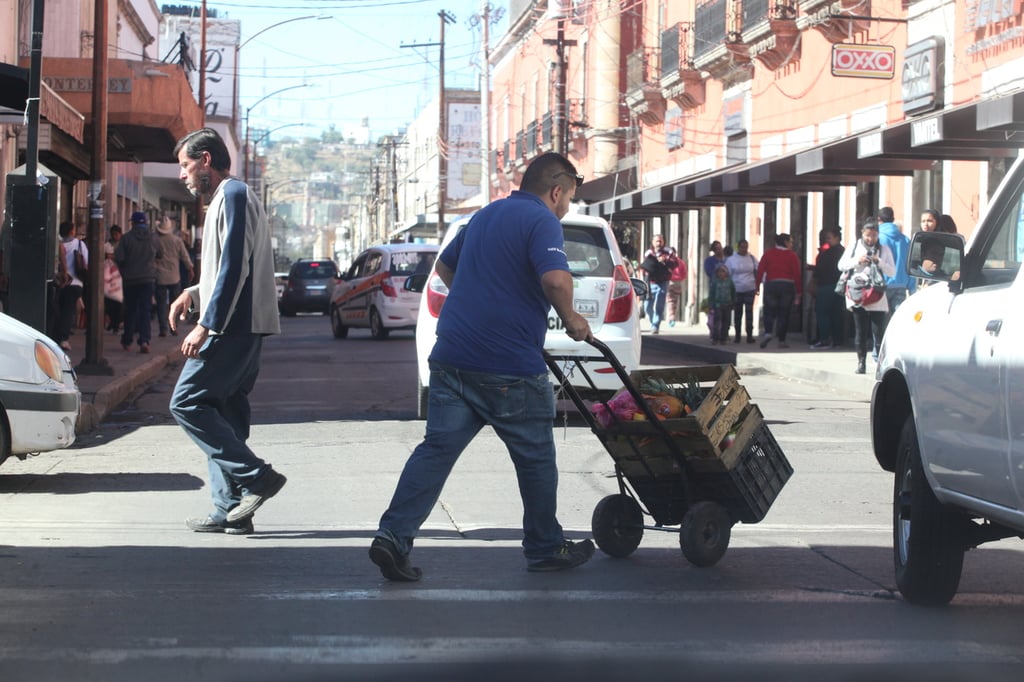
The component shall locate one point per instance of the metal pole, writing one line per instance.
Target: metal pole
(442, 134)
(94, 363)
(32, 105)
(485, 107)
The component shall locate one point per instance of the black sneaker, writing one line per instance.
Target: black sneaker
(393, 565)
(569, 555)
(764, 340)
(209, 525)
(253, 501)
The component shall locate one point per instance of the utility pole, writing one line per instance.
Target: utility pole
(442, 134)
(94, 362)
(442, 125)
(561, 115)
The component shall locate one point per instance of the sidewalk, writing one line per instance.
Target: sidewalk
(832, 368)
(128, 371)
(132, 370)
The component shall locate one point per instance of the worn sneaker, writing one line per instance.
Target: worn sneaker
(569, 555)
(210, 525)
(820, 346)
(393, 565)
(253, 501)
(764, 340)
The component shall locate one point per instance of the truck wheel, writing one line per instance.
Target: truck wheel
(377, 329)
(618, 525)
(928, 537)
(704, 535)
(338, 328)
(422, 399)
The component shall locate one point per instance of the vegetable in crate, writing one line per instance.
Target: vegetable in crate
(667, 406)
(621, 407)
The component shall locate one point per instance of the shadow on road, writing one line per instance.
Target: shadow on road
(79, 484)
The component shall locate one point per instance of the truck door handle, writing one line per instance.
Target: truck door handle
(993, 327)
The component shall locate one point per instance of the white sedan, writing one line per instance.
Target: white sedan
(39, 397)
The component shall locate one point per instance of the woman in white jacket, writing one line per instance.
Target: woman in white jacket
(858, 261)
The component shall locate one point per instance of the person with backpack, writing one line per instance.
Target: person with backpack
(75, 255)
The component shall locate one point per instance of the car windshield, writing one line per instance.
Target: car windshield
(586, 249)
(405, 263)
(314, 270)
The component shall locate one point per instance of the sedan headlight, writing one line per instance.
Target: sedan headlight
(48, 361)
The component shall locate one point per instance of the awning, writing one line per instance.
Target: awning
(978, 131)
(150, 105)
(13, 96)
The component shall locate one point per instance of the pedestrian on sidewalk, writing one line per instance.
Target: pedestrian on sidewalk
(780, 271)
(136, 255)
(236, 300)
(721, 301)
(715, 258)
(869, 317)
(173, 257)
(73, 251)
(828, 305)
(675, 289)
(900, 284)
(743, 271)
(658, 264)
(113, 290)
(487, 367)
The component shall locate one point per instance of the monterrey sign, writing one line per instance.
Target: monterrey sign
(864, 61)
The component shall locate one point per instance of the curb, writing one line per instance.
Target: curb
(857, 384)
(116, 392)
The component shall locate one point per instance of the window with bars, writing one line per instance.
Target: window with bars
(670, 52)
(709, 26)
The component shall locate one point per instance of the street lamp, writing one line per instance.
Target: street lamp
(248, 110)
(238, 48)
(256, 142)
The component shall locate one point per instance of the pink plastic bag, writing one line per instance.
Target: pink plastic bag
(622, 408)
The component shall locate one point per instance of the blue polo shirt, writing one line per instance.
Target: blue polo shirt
(495, 318)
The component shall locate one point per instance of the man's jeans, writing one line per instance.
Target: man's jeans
(656, 303)
(895, 296)
(138, 308)
(520, 410)
(211, 402)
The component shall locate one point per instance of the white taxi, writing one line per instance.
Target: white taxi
(371, 292)
(603, 294)
(39, 397)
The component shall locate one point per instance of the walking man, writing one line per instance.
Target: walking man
(236, 299)
(487, 367)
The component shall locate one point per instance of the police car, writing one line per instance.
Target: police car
(603, 294)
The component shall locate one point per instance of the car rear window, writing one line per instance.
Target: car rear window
(314, 270)
(586, 249)
(405, 263)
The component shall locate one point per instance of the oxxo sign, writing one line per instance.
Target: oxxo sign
(864, 61)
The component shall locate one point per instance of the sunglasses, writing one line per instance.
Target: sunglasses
(577, 177)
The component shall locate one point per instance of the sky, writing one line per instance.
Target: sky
(352, 59)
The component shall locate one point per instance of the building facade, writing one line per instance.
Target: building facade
(741, 119)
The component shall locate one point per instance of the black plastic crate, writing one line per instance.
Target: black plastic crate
(749, 488)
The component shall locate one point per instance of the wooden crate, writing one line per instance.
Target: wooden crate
(700, 435)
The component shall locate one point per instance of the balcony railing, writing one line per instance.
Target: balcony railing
(531, 138)
(754, 12)
(521, 144)
(547, 130)
(680, 80)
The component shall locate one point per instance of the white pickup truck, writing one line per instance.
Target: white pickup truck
(947, 412)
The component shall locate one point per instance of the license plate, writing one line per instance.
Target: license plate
(318, 288)
(585, 308)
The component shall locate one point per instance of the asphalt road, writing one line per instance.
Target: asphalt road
(102, 582)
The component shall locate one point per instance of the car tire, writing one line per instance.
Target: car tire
(617, 525)
(704, 535)
(422, 399)
(339, 330)
(929, 538)
(377, 329)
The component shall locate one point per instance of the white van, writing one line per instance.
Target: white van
(603, 294)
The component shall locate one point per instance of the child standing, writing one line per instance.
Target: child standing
(721, 299)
